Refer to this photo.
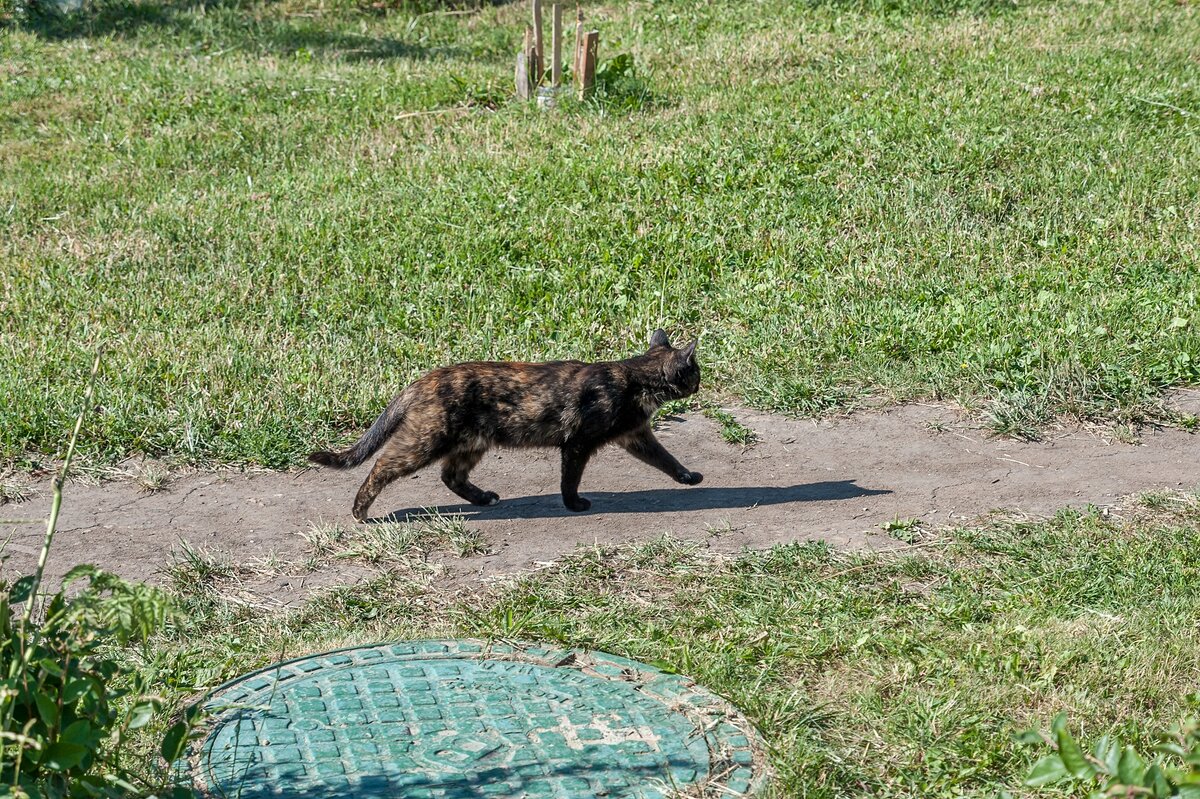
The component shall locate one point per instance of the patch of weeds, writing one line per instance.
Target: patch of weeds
(379, 608)
(619, 86)
(69, 726)
(906, 530)
(467, 542)
(722, 528)
(674, 407)
(935, 426)
(816, 396)
(1172, 769)
(10, 492)
(389, 542)
(595, 562)
(733, 431)
(408, 543)
(664, 551)
(1170, 504)
(1126, 434)
(933, 8)
(452, 531)
(1155, 500)
(324, 540)
(506, 622)
(91, 473)
(198, 569)
(152, 477)
(479, 94)
(1019, 414)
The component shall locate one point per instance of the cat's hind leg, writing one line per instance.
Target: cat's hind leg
(394, 463)
(574, 459)
(456, 471)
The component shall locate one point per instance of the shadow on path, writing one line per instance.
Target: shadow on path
(659, 500)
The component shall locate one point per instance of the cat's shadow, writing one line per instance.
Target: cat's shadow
(658, 500)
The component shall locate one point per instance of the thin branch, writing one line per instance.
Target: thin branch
(458, 109)
(56, 502)
(1175, 108)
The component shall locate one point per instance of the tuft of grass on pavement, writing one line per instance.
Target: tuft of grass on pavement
(400, 543)
(14, 493)
(732, 431)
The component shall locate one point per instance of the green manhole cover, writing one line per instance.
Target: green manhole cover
(460, 719)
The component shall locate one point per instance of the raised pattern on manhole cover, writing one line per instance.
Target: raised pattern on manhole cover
(459, 719)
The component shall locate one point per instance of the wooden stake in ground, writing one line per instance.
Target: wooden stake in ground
(556, 45)
(523, 74)
(539, 61)
(577, 63)
(587, 74)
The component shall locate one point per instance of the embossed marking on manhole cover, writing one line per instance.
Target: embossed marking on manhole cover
(460, 719)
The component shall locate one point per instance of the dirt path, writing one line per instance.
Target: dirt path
(838, 481)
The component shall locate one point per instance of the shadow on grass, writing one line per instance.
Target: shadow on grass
(661, 500)
(221, 24)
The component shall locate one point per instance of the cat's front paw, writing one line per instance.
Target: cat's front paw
(690, 478)
(577, 504)
(486, 498)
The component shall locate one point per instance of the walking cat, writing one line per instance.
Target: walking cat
(457, 413)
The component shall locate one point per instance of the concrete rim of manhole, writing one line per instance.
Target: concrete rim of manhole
(460, 719)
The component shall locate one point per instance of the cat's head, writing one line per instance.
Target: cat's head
(679, 366)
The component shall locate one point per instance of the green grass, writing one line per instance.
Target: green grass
(404, 545)
(901, 674)
(850, 199)
(732, 431)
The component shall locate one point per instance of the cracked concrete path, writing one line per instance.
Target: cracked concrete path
(838, 481)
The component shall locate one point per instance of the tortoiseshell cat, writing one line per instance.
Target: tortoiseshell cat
(457, 413)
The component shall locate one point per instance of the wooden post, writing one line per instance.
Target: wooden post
(523, 74)
(539, 68)
(591, 49)
(556, 45)
(577, 64)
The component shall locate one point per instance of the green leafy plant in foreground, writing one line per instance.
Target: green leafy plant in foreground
(68, 705)
(1111, 770)
(68, 709)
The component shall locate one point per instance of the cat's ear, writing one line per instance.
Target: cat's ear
(688, 353)
(659, 339)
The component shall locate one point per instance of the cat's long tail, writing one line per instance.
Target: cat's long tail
(371, 440)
